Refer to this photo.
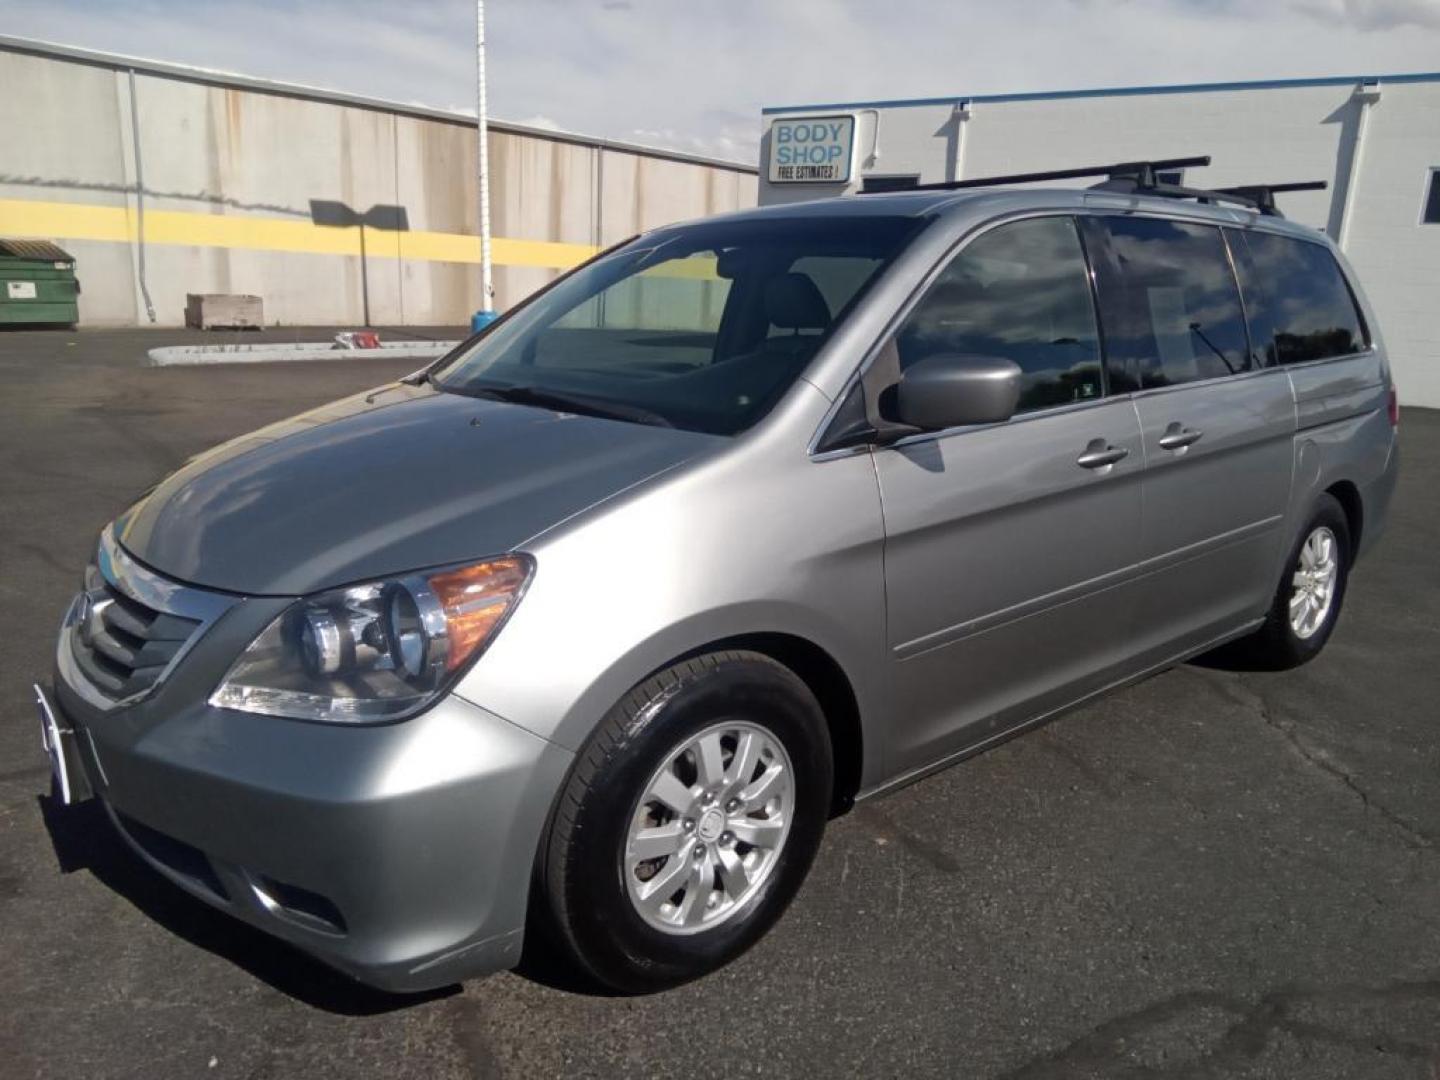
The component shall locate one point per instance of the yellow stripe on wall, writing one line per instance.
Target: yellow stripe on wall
(79, 221)
(60, 221)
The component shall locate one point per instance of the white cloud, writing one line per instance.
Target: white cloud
(1376, 14)
(694, 75)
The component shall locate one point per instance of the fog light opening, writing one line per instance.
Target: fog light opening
(299, 906)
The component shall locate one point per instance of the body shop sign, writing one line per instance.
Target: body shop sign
(811, 149)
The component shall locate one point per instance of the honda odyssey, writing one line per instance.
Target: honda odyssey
(589, 628)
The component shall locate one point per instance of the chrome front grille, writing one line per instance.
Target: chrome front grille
(129, 627)
(121, 645)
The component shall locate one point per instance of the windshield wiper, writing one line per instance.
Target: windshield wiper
(562, 401)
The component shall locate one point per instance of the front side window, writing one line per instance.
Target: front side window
(701, 327)
(1299, 305)
(1168, 303)
(1019, 292)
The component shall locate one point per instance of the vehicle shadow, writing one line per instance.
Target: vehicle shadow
(84, 839)
(544, 961)
(1232, 656)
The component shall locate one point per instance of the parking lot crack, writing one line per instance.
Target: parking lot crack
(1115, 1045)
(1250, 699)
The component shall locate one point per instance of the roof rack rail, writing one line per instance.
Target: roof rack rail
(1142, 178)
(1140, 171)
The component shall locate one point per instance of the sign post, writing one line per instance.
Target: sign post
(486, 314)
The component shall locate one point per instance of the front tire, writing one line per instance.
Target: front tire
(689, 821)
(1307, 602)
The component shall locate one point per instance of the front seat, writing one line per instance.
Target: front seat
(793, 303)
(790, 301)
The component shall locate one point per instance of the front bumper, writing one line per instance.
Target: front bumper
(400, 854)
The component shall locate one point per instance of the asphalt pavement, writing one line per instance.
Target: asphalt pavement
(1210, 874)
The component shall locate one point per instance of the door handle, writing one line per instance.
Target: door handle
(1178, 437)
(1099, 454)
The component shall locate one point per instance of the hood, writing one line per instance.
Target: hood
(398, 479)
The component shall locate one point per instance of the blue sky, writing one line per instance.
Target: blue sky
(693, 74)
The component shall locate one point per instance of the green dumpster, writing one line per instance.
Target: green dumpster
(37, 283)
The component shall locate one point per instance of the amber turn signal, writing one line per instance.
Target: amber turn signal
(474, 600)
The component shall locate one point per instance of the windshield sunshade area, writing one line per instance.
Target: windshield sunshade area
(701, 327)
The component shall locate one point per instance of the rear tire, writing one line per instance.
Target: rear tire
(1311, 590)
(689, 821)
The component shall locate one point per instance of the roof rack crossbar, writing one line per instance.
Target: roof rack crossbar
(1129, 185)
(1138, 170)
(1263, 195)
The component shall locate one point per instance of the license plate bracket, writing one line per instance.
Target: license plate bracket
(59, 741)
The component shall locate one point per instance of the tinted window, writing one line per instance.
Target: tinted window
(675, 306)
(1299, 305)
(1168, 302)
(1022, 292)
(838, 277)
(1431, 215)
(701, 326)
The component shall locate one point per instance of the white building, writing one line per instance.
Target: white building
(1375, 140)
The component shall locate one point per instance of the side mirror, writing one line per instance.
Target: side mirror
(948, 390)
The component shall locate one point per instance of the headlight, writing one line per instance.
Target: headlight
(377, 651)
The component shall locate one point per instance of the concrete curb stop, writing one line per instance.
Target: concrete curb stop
(182, 355)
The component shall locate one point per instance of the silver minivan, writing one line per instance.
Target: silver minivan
(588, 629)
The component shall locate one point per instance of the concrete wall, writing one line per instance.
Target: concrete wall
(230, 168)
(82, 163)
(1273, 133)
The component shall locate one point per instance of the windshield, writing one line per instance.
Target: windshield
(701, 327)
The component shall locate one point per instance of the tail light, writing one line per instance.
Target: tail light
(1394, 407)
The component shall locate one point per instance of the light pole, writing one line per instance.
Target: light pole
(486, 314)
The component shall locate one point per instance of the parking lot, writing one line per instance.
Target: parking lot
(1210, 874)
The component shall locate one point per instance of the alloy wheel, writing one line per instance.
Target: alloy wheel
(1312, 585)
(708, 829)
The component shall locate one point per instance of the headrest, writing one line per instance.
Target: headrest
(792, 302)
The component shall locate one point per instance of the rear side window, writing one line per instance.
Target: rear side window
(1168, 303)
(1020, 292)
(1299, 305)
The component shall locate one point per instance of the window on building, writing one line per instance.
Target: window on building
(1432, 199)
(1168, 302)
(890, 183)
(1299, 305)
(1020, 292)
